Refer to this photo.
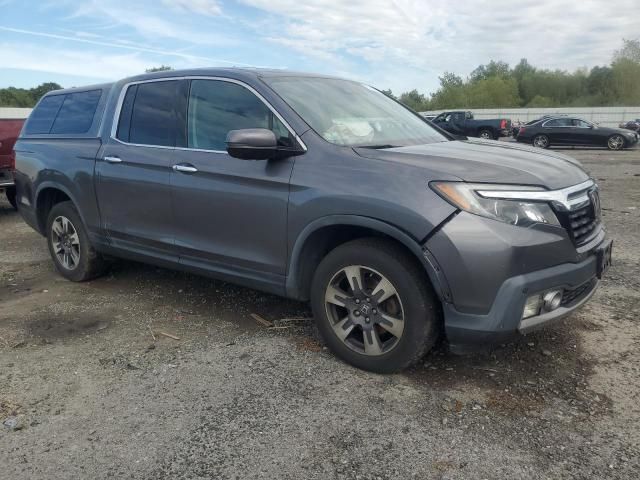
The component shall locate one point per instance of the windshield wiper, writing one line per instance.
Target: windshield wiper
(378, 147)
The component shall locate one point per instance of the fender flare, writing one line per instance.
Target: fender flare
(58, 186)
(425, 257)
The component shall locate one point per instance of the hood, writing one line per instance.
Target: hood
(487, 161)
(612, 130)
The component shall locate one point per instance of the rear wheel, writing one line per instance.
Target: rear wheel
(486, 134)
(11, 196)
(541, 141)
(373, 306)
(615, 142)
(69, 246)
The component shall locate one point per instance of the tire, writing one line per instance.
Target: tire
(540, 141)
(486, 134)
(616, 142)
(69, 246)
(373, 261)
(10, 192)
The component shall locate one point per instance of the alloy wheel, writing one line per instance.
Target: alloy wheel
(365, 310)
(616, 142)
(486, 135)
(541, 141)
(65, 242)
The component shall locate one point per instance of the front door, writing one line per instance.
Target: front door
(133, 170)
(230, 214)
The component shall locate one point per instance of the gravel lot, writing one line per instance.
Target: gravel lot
(90, 388)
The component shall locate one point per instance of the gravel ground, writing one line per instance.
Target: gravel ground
(90, 388)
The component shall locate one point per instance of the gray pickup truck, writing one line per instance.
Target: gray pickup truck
(464, 124)
(319, 189)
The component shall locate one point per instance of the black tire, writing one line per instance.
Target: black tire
(616, 142)
(420, 307)
(90, 263)
(486, 134)
(540, 141)
(11, 196)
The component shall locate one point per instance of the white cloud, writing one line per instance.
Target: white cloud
(203, 7)
(72, 62)
(411, 36)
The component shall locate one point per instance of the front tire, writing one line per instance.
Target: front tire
(615, 142)
(374, 306)
(541, 141)
(69, 246)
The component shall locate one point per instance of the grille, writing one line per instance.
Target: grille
(572, 296)
(583, 222)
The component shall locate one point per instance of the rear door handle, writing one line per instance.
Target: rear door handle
(185, 168)
(111, 159)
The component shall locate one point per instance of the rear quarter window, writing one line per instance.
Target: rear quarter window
(42, 118)
(77, 112)
(70, 113)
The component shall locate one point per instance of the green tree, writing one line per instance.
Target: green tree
(630, 51)
(414, 100)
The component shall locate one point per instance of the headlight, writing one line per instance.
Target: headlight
(516, 212)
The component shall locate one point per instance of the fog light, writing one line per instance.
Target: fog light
(552, 300)
(532, 306)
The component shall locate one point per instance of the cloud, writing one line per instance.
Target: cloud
(72, 62)
(202, 7)
(83, 37)
(409, 36)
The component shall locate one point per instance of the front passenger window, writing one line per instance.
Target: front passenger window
(216, 107)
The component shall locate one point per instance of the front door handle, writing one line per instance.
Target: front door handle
(111, 159)
(185, 168)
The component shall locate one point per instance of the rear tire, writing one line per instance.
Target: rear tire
(616, 142)
(541, 141)
(10, 192)
(69, 246)
(390, 316)
(486, 134)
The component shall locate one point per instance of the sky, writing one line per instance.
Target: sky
(397, 44)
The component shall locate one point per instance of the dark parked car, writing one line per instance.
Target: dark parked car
(551, 131)
(318, 189)
(632, 125)
(9, 131)
(463, 123)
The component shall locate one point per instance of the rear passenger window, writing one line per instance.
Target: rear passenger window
(147, 116)
(77, 112)
(43, 116)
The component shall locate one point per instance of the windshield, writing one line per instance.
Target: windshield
(352, 114)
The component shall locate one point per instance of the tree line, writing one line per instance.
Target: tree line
(493, 85)
(498, 85)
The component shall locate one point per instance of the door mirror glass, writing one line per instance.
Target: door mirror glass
(252, 144)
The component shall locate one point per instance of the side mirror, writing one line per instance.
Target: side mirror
(252, 144)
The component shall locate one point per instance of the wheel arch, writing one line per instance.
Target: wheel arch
(47, 195)
(324, 234)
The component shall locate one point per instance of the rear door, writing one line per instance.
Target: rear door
(558, 130)
(230, 214)
(133, 170)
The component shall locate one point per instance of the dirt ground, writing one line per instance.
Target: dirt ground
(90, 388)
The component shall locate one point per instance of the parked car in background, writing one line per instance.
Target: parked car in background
(550, 131)
(631, 125)
(462, 123)
(9, 131)
(319, 189)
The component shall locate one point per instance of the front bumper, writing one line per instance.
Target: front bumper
(489, 269)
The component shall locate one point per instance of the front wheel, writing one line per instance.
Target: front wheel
(69, 245)
(374, 307)
(615, 142)
(541, 141)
